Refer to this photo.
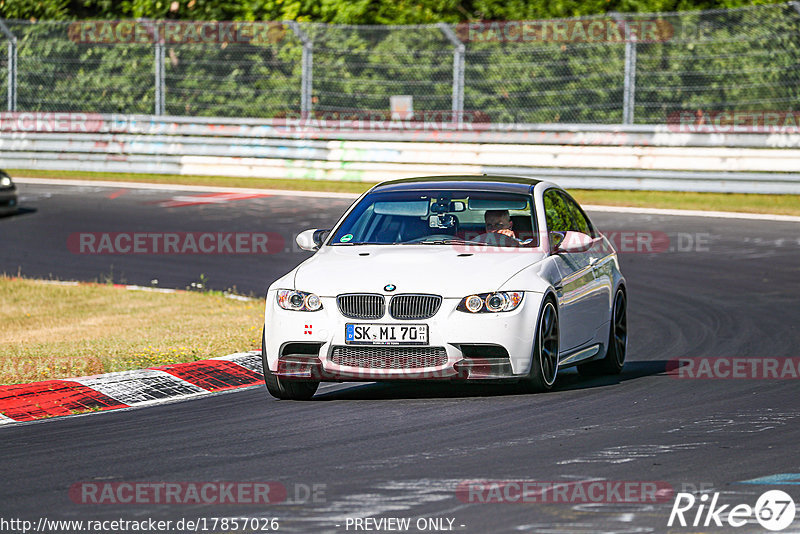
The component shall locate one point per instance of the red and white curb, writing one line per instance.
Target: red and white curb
(126, 389)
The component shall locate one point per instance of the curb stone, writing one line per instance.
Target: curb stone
(125, 389)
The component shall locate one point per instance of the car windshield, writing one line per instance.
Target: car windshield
(439, 218)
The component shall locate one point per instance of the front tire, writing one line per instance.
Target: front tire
(281, 388)
(544, 362)
(614, 359)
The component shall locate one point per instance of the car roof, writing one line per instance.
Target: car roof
(484, 182)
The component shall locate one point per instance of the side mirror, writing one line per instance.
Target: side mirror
(312, 239)
(570, 242)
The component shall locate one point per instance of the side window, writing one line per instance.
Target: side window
(578, 221)
(556, 211)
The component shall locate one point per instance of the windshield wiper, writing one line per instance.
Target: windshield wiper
(352, 243)
(445, 242)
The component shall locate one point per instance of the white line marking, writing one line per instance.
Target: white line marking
(168, 187)
(693, 213)
(231, 296)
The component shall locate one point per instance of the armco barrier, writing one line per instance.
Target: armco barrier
(576, 156)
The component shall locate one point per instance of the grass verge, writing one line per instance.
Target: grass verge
(61, 331)
(741, 202)
(748, 203)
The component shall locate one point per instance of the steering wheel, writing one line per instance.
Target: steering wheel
(497, 240)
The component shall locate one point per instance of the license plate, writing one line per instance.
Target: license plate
(386, 334)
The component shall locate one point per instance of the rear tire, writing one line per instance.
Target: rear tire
(614, 359)
(544, 361)
(281, 388)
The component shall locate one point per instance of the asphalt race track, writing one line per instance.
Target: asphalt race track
(727, 288)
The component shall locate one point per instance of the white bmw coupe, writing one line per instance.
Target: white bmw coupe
(475, 278)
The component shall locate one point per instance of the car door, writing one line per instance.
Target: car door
(575, 290)
(598, 295)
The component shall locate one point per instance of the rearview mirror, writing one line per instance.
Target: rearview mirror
(570, 242)
(407, 208)
(312, 239)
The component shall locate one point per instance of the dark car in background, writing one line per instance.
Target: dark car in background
(8, 194)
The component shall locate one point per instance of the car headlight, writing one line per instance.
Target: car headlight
(501, 301)
(5, 182)
(290, 299)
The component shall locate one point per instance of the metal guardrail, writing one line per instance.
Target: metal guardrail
(576, 156)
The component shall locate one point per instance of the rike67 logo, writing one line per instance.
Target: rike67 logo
(774, 510)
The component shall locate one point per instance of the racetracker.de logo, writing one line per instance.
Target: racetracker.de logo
(623, 242)
(379, 121)
(60, 122)
(600, 30)
(582, 491)
(734, 121)
(175, 32)
(177, 492)
(175, 243)
(732, 368)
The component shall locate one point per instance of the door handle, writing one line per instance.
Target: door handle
(593, 261)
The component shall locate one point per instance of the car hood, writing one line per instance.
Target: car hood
(447, 270)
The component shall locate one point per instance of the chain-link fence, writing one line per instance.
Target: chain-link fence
(609, 69)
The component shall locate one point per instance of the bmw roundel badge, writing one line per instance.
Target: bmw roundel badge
(389, 287)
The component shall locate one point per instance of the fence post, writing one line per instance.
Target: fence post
(458, 72)
(629, 84)
(306, 81)
(159, 71)
(12, 66)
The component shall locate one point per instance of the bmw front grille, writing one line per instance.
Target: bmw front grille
(361, 306)
(370, 306)
(414, 307)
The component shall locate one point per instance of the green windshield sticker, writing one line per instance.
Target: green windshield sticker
(345, 238)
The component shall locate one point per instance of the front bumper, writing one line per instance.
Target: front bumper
(483, 346)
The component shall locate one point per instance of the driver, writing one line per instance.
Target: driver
(499, 222)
